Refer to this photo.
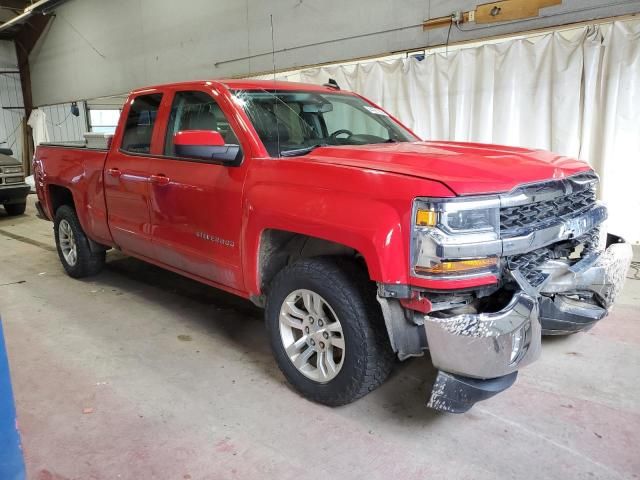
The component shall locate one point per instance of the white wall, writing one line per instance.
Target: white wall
(576, 93)
(10, 96)
(95, 48)
(62, 125)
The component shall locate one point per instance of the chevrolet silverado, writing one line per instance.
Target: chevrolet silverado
(362, 243)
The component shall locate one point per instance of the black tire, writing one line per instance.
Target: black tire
(88, 263)
(368, 357)
(14, 209)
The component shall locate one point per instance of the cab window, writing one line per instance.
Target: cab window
(196, 110)
(140, 123)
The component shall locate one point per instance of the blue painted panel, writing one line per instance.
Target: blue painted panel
(11, 460)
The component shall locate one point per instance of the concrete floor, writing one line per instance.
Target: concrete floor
(141, 374)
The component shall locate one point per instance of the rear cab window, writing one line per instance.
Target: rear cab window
(140, 123)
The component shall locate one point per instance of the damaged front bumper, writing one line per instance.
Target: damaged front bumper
(486, 345)
(575, 296)
(478, 354)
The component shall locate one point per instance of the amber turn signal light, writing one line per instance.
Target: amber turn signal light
(459, 266)
(426, 218)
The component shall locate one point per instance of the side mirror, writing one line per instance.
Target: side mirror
(206, 145)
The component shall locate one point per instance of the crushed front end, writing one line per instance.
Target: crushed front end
(541, 264)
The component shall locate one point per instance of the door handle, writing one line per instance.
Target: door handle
(114, 172)
(159, 179)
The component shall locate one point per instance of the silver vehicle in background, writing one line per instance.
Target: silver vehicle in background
(13, 189)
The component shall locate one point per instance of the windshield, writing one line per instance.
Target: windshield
(295, 122)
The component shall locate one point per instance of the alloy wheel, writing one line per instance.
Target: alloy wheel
(67, 243)
(312, 335)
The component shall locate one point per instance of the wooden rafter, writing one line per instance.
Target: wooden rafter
(16, 5)
(494, 12)
(25, 40)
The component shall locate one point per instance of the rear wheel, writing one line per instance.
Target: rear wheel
(14, 209)
(326, 330)
(73, 245)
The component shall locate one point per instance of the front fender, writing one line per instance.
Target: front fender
(369, 212)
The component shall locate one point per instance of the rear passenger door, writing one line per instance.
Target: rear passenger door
(196, 210)
(126, 176)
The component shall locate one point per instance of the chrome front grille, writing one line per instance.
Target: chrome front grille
(535, 207)
(529, 264)
(538, 206)
(11, 174)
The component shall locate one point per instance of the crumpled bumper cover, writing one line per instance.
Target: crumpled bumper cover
(482, 345)
(603, 276)
(478, 353)
(457, 394)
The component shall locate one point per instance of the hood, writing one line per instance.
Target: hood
(6, 160)
(466, 168)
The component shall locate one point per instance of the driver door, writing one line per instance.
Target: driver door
(196, 204)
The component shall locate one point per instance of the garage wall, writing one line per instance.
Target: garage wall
(62, 126)
(11, 111)
(94, 48)
(575, 92)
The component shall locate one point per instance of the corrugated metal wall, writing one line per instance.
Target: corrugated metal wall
(62, 125)
(94, 48)
(11, 103)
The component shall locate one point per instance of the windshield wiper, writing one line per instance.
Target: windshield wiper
(302, 151)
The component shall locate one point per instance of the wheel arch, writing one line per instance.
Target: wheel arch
(58, 196)
(366, 211)
(379, 246)
(279, 248)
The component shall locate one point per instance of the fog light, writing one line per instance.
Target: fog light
(517, 344)
(13, 180)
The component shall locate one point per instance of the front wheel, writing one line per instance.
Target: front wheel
(73, 247)
(326, 330)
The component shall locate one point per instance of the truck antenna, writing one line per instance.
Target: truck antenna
(273, 62)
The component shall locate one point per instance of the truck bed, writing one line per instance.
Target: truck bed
(92, 141)
(76, 169)
(68, 145)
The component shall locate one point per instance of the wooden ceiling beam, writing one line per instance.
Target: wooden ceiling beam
(25, 39)
(494, 12)
(509, 10)
(18, 5)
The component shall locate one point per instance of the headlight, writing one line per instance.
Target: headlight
(460, 216)
(11, 169)
(450, 222)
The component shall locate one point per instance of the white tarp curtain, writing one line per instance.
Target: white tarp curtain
(575, 92)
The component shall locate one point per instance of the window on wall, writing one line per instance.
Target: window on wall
(103, 121)
(140, 122)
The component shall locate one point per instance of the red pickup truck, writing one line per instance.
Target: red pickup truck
(361, 242)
